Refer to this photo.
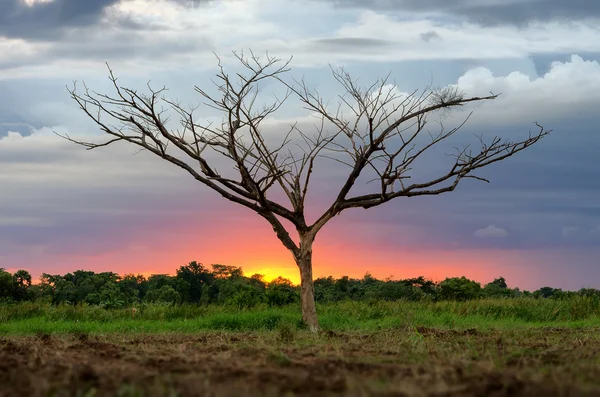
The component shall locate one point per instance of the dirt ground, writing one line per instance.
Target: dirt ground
(422, 362)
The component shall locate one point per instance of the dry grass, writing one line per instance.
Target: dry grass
(287, 361)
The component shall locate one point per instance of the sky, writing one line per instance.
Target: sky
(537, 223)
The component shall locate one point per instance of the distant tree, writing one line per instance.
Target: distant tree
(589, 292)
(22, 278)
(225, 271)
(22, 284)
(391, 290)
(325, 289)
(196, 276)
(157, 281)
(497, 289)
(242, 292)
(546, 292)
(111, 296)
(7, 286)
(374, 131)
(459, 289)
(428, 287)
(133, 287)
(165, 294)
(368, 279)
(60, 289)
(281, 292)
(258, 280)
(499, 282)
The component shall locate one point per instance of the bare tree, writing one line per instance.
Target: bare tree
(381, 138)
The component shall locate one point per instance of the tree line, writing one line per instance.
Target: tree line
(226, 285)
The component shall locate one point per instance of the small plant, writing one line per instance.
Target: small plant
(280, 358)
(286, 333)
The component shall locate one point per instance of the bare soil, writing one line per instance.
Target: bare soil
(421, 362)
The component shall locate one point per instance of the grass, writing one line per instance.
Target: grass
(290, 362)
(512, 347)
(31, 318)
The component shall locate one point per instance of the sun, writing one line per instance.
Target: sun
(270, 273)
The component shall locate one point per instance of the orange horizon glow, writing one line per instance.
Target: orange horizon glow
(252, 246)
(479, 265)
(272, 260)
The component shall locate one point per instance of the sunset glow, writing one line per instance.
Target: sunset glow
(114, 208)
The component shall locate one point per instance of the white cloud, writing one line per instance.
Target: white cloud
(168, 35)
(43, 172)
(491, 231)
(458, 40)
(567, 87)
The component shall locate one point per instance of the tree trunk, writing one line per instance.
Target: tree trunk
(304, 261)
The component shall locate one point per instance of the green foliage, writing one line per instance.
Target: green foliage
(15, 287)
(547, 292)
(281, 292)
(196, 278)
(165, 294)
(33, 317)
(459, 289)
(227, 286)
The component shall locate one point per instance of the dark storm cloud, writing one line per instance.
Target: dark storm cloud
(489, 12)
(47, 21)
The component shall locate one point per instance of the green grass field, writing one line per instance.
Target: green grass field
(30, 318)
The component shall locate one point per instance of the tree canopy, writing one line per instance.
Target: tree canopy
(227, 285)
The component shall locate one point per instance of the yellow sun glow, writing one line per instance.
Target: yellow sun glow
(271, 273)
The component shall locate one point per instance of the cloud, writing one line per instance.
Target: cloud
(164, 34)
(431, 35)
(54, 192)
(568, 88)
(595, 231)
(142, 34)
(491, 231)
(569, 91)
(45, 20)
(487, 12)
(463, 40)
(351, 43)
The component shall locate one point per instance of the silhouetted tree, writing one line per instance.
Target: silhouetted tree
(375, 131)
(196, 276)
(498, 289)
(7, 286)
(546, 292)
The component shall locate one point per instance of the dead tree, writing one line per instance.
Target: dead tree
(381, 137)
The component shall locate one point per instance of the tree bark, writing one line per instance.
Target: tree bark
(307, 287)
